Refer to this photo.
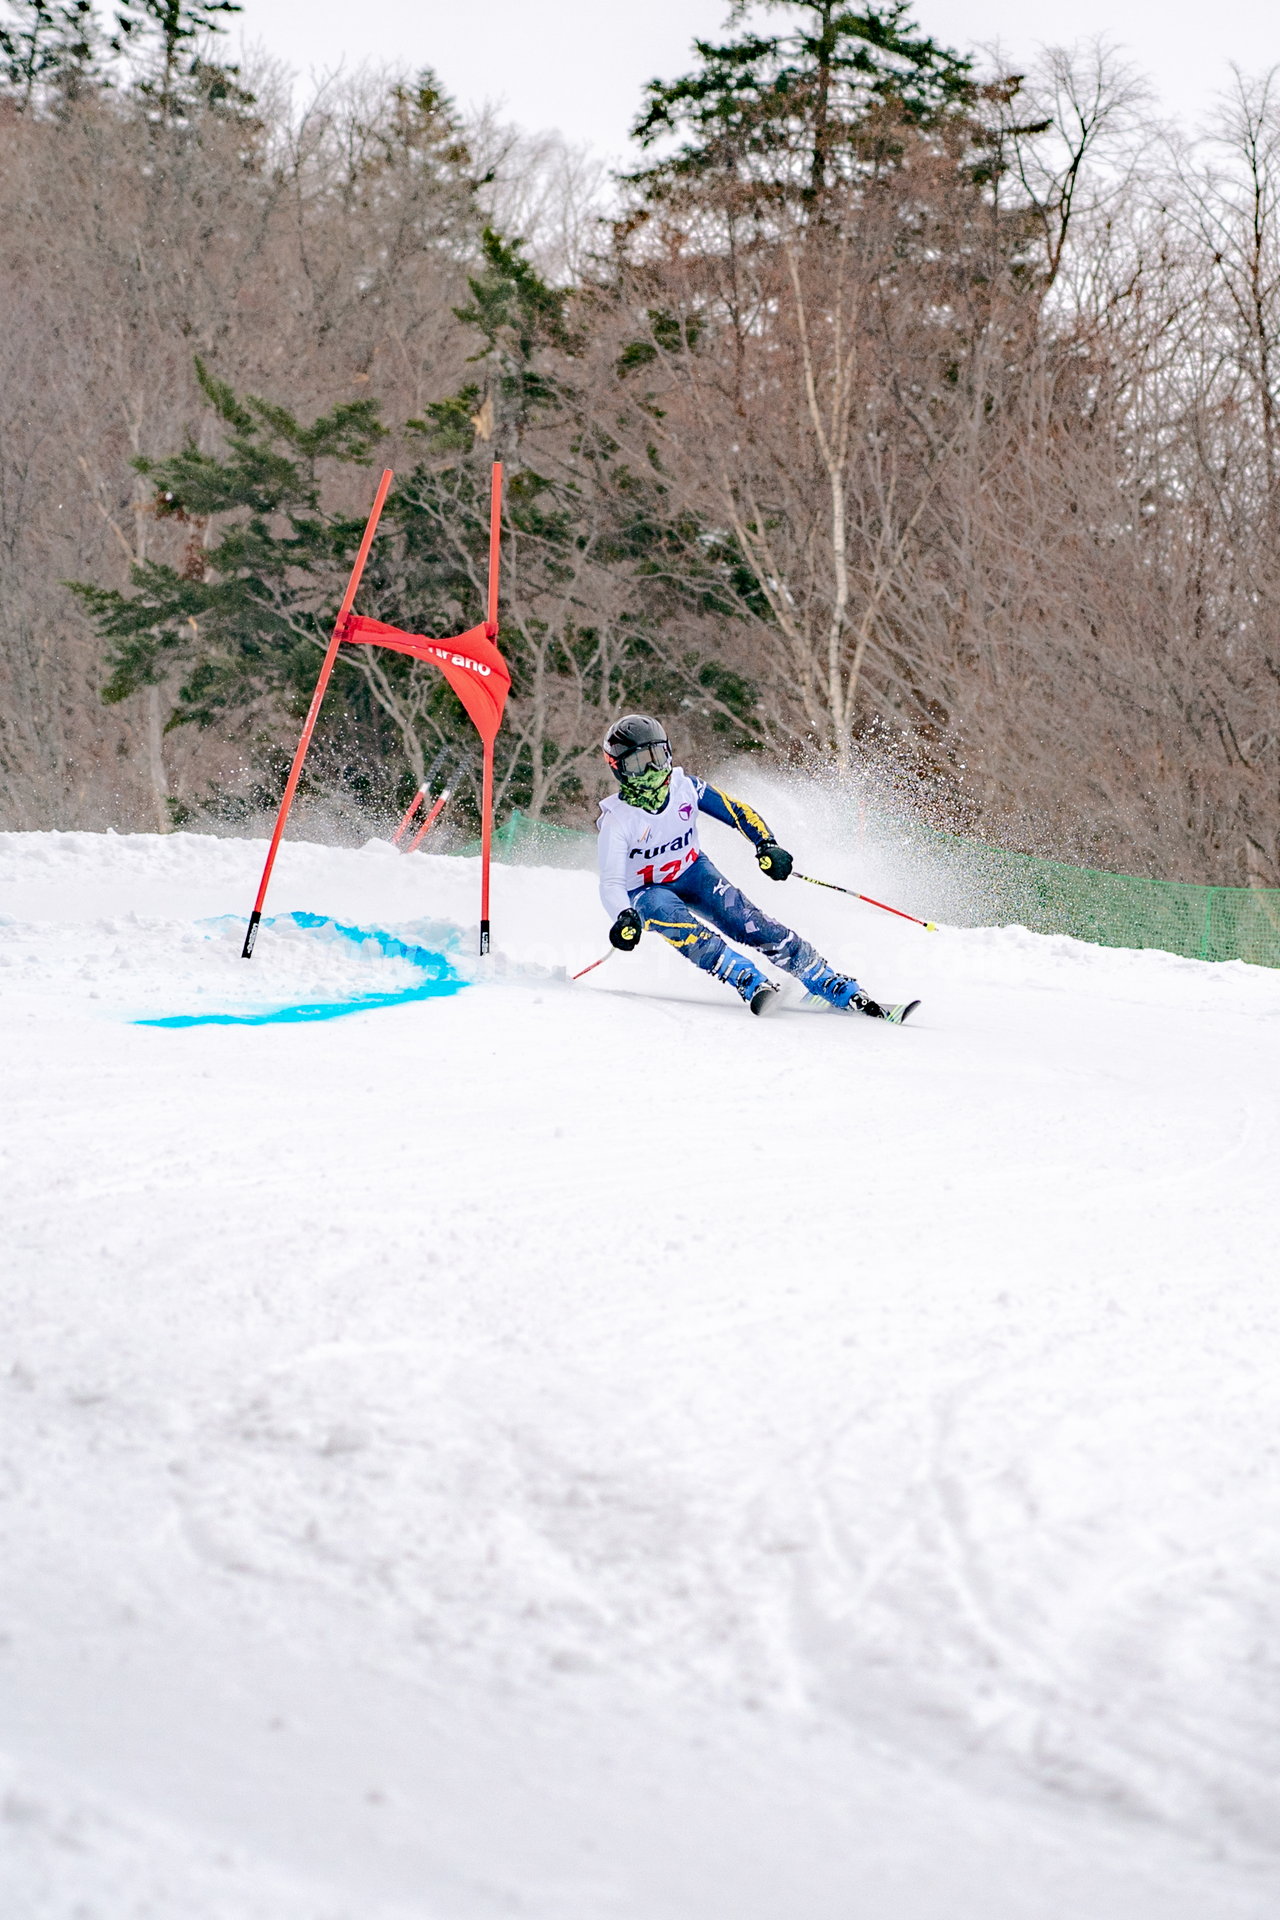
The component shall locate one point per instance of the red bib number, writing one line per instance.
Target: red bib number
(670, 870)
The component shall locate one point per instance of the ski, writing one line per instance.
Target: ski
(895, 1014)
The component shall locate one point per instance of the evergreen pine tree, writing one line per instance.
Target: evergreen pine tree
(585, 533)
(165, 36)
(245, 617)
(822, 278)
(47, 44)
(782, 112)
(594, 563)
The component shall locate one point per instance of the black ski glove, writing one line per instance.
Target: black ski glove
(626, 930)
(774, 860)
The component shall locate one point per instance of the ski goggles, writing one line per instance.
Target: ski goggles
(654, 753)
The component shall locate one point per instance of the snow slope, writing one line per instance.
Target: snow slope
(579, 1453)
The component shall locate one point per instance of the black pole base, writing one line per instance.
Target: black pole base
(246, 952)
(484, 936)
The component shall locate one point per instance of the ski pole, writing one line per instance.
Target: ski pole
(594, 964)
(930, 926)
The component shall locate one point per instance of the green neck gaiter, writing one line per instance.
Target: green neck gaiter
(647, 790)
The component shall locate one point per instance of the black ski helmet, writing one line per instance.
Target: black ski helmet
(636, 742)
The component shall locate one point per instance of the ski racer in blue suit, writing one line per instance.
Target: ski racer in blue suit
(653, 873)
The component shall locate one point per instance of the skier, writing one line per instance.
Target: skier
(654, 874)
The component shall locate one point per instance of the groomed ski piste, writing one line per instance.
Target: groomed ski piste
(477, 1445)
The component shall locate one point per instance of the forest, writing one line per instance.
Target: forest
(890, 410)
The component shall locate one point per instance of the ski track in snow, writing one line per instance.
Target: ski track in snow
(577, 1452)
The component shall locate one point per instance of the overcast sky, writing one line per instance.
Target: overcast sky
(579, 65)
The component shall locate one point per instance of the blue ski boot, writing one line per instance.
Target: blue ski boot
(838, 990)
(824, 983)
(746, 979)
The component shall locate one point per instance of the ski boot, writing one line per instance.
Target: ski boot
(747, 980)
(824, 983)
(841, 991)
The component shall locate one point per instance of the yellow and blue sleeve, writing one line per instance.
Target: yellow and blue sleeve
(733, 813)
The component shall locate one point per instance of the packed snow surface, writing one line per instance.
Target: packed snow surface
(477, 1445)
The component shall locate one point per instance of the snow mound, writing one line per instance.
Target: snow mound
(313, 967)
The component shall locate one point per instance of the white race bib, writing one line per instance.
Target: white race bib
(639, 849)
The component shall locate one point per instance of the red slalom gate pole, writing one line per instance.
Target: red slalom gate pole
(495, 541)
(486, 843)
(331, 654)
(929, 926)
(414, 804)
(428, 823)
(491, 627)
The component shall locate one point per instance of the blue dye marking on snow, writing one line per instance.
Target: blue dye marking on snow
(439, 981)
(318, 1010)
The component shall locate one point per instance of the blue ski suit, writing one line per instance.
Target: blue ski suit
(681, 893)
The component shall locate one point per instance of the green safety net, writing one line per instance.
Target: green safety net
(1118, 909)
(990, 886)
